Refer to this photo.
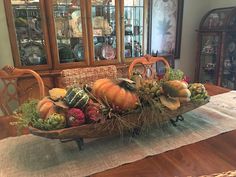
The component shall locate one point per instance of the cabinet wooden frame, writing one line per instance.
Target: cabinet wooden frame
(13, 38)
(90, 35)
(53, 38)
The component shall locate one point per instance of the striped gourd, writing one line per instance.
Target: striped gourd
(76, 97)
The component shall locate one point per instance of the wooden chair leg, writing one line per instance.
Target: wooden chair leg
(80, 143)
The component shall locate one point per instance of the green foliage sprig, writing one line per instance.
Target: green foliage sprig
(26, 114)
(53, 122)
(175, 74)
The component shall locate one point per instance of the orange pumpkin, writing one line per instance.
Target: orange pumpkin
(114, 94)
(46, 107)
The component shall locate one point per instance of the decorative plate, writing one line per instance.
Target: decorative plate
(78, 51)
(108, 52)
(65, 53)
(32, 53)
(231, 47)
(75, 23)
(62, 27)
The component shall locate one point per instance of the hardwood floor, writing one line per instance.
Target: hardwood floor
(217, 154)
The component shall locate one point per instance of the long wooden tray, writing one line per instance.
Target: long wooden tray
(99, 130)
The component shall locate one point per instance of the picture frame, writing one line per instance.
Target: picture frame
(167, 29)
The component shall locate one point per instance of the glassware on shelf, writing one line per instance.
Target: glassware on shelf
(227, 67)
(229, 63)
(133, 19)
(68, 24)
(210, 68)
(137, 27)
(128, 27)
(30, 38)
(209, 57)
(104, 33)
(137, 49)
(32, 54)
(128, 50)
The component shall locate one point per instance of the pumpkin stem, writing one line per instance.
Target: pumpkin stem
(126, 84)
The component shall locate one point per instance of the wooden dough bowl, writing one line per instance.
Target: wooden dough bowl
(98, 130)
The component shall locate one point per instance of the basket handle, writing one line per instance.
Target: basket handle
(12, 72)
(147, 61)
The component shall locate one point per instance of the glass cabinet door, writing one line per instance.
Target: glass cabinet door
(229, 62)
(133, 12)
(28, 33)
(104, 31)
(209, 56)
(69, 29)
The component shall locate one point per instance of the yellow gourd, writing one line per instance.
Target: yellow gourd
(46, 108)
(57, 93)
(177, 90)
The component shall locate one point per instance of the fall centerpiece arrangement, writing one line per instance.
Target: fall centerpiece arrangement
(111, 107)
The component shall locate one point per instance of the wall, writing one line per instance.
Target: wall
(5, 48)
(192, 15)
(221, 3)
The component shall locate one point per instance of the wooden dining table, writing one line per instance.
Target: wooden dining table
(213, 155)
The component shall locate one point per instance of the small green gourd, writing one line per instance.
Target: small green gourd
(76, 97)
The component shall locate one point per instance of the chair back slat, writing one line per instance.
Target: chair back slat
(9, 99)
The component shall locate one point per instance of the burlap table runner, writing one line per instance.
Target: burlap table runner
(34, 156)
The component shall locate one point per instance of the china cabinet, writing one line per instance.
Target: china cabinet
(51, 35)
(216, 55)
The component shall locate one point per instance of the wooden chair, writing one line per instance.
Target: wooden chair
(148, 63)
(9, 96)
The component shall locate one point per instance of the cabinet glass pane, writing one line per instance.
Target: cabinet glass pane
(208, 58)
(229, 64)
(133, 19)
(216, 19)
(104, 29)
(29, 33)
(68, 24)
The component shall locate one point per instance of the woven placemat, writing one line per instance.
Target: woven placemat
(34, 156)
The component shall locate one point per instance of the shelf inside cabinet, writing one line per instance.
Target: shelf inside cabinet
(209, 54)
(133, 6)
(105, 6)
